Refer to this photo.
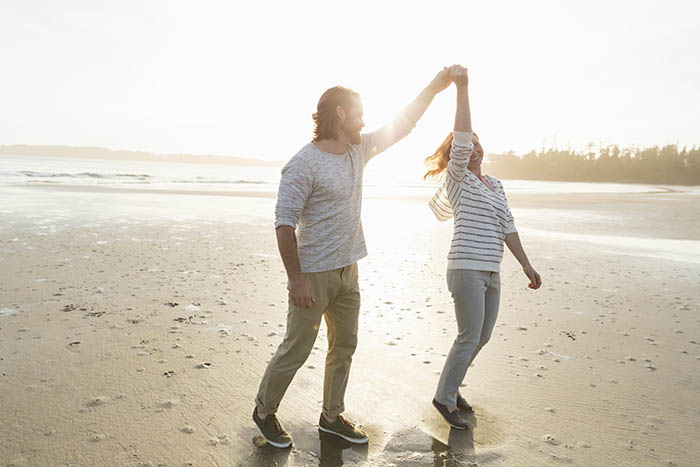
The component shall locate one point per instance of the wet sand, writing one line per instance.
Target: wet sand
(134, 329)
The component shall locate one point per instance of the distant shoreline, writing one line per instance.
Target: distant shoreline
(590, 180)
(495, 166)
(100, 153)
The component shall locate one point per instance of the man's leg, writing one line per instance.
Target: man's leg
(342, 319)
(302, 329)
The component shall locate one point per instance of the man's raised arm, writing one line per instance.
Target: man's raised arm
(404, 122)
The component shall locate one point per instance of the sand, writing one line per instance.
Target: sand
(134, 329)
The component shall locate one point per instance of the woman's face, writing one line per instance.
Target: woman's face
(477, 154)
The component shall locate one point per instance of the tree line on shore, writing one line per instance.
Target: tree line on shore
(662, 165)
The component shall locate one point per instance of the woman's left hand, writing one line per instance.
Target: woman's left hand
(535, 279)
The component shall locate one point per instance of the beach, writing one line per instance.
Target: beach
(136, 322)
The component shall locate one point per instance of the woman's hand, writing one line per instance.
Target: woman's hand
(535, 280)
(459, 75)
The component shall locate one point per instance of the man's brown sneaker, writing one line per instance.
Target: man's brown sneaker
(272, 431)
(343, 428)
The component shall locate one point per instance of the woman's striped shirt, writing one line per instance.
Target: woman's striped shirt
(481, 216)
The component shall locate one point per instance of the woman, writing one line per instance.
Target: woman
(482, 222)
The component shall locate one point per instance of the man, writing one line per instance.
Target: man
(321, 194)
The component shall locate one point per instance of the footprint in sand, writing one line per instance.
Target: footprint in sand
(219, 439)
(168, 404)
(9, 311)
(73, 345)
(98, 401)
(560, 459)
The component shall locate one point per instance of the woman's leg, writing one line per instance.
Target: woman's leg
(468, 290)
(491, 302)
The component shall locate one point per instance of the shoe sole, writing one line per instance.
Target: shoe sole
(458, 427)
(364, 440)
(278, 445)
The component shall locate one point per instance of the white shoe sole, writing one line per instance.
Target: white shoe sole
(278, 445)
(364, 440)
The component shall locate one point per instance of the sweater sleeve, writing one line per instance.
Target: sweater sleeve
(510, 220)
(460, 152)
(295, 188)
(440, 204)
(385, 137)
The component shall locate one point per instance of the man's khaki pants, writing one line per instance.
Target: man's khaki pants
(336, 296)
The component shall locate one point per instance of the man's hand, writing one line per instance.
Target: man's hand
(300, 293)
(458, 74)
(441, 81)
(535, 280)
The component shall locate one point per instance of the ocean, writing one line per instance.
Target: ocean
(34, 170)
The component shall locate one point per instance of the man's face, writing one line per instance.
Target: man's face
(352, 125)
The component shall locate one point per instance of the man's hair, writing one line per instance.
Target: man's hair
(325, 116)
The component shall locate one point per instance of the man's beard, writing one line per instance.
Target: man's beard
(353, 134)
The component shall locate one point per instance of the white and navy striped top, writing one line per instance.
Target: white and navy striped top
(481, 216)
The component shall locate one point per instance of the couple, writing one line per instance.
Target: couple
(320, 198)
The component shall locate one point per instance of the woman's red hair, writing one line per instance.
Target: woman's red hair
(437, 162)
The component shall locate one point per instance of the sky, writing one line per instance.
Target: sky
(243, 78)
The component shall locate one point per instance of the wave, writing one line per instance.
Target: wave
(34, 174)
(236, 182)
(119, 178)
